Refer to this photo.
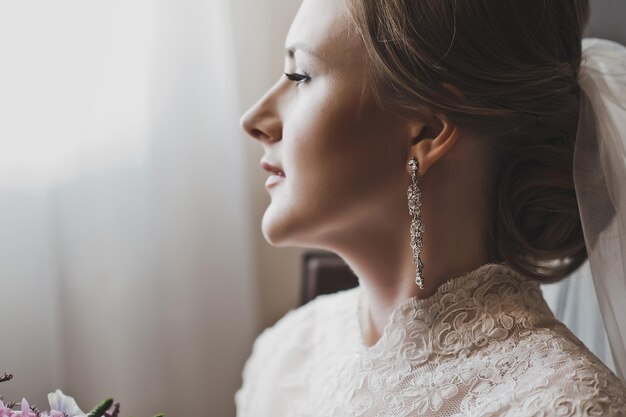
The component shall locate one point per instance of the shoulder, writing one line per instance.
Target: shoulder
(564, 377)
(580, 387)
(299, 326)
(585, 383)
(553, 375)
(312, 314)
(289, 342)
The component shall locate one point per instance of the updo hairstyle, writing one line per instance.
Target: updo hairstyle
(514, 67)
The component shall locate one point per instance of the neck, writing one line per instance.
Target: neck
(381, 256)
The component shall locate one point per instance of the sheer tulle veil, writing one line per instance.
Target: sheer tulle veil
(600, 182)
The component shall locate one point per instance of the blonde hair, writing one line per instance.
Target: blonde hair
(516, 64)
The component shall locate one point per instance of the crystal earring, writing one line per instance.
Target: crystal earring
(417, 227)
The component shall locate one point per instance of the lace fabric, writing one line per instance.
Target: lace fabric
(485, 344)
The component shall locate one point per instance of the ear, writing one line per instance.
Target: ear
(431, 140)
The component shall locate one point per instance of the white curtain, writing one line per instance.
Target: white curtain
(126, 266)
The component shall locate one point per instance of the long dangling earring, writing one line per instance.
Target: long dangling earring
(417, 227)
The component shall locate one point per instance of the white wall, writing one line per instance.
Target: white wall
(608, 20)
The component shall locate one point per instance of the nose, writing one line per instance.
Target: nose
(262, 120)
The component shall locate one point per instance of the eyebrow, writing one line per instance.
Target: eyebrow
(291, 50)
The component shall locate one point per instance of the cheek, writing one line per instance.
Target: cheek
(324, 146)
(340, 152)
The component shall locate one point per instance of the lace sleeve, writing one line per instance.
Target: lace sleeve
(269, 348)
(251, 374)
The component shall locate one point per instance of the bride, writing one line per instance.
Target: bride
(431, 145)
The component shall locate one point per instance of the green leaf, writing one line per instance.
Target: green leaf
(101, 408)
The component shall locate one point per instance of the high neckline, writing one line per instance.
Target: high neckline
(462, 286)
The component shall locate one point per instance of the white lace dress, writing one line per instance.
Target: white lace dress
(485, 344)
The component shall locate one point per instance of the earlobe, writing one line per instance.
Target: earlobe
(428, 150)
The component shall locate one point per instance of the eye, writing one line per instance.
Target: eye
(297, 77)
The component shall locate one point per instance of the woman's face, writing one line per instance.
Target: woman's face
(343, 156)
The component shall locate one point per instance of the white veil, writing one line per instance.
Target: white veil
(600, 182)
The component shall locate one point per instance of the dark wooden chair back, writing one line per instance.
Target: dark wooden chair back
(324, 273)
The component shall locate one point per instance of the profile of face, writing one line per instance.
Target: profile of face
(343, 156)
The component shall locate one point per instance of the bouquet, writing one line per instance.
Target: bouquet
(61, 405)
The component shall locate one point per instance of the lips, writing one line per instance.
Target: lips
(277, 170)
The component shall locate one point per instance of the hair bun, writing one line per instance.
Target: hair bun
(538, 229)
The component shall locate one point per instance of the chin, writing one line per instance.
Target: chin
(273, 227)
(281, 229)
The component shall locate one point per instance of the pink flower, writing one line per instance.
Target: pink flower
(25, 411)
(4, 411)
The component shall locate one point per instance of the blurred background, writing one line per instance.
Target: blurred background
(132, 263)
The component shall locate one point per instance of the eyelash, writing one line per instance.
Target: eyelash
(297, 77)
